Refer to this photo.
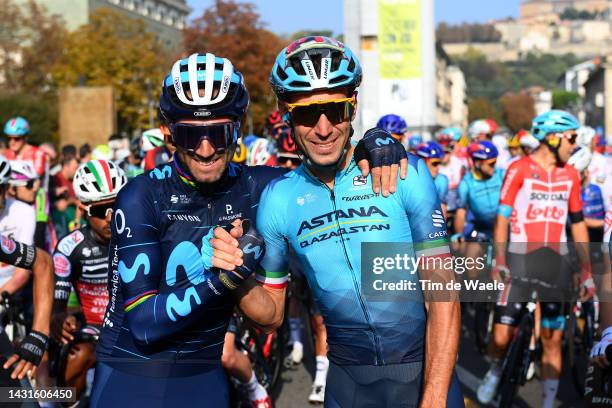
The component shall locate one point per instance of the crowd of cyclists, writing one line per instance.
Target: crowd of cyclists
(144, 299)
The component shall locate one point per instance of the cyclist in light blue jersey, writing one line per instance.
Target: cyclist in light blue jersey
(382, 353)
(432, 154)
(479, 192)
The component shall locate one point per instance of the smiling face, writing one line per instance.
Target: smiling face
(324, 142)
(207, 165)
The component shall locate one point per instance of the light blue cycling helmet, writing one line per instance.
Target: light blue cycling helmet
(430, 150)
(17, 127)
(394, 124)
(314, 63)
(452, 132)
(414, 141)
(553, 121)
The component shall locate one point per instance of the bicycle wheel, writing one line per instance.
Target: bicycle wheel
(516, 363)
(273, 351)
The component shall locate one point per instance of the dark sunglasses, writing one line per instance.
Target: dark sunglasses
(571, 137)
(100, 211)
(283, 160)
(30, 184)
(435, 163)
(189, 137)
(336, 110)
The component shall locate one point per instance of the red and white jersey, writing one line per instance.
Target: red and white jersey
(541, 201)
(31, 154)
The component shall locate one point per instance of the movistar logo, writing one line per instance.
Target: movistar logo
(249, 249)
(385, 141)
(320, 220)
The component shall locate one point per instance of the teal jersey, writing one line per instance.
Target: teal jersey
(441, 182)
(326, 228)
(482, 198)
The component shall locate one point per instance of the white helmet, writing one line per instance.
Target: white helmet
(151, 139)
(585, 136)
(580, 159)
(21, 172)
(500, 141)
(5, 170)
(478, 127)
(261, 153)
(529, 141)
(98, 180)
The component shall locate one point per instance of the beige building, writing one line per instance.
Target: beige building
(598, 96)
(164, 18)
(451, 97)
(549, 10)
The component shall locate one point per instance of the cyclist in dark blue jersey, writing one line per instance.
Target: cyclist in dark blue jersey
(169, 305)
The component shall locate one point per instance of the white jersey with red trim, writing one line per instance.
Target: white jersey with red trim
(540, 202)
(600, 174)
(17, 221)
(454, 170)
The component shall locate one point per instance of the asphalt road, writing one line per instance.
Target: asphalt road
(296, 383)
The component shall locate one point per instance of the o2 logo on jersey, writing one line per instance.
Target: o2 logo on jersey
(8, 245)
(164, 173)
(62, 265)
(120, 224)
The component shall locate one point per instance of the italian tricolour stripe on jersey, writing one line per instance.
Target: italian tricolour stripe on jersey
(432, 249)
(276, 280)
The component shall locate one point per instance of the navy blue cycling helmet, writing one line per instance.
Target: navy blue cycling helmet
(393, 124)
(483, 150)
(201, 87)
(430, 150)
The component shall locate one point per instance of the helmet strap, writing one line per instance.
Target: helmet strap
(554, 148)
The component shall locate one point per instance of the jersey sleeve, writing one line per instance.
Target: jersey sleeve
(462, 192)
(135, 253)
(574, 204)
(16, 253)
(422, 206)
(441, 182)
(273, 270)
(513, 181)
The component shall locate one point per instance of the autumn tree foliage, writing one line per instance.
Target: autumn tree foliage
(517, 110)
(116, 50)
(235, 31)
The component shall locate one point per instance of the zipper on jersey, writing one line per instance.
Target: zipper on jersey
(379, 359)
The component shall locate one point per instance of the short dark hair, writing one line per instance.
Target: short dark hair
(69, 150)
(84, 150)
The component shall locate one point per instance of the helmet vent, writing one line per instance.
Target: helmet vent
(338, 79)
(281, 74)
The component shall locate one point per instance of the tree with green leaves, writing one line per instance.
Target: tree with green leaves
(235, 31)
(116, 50)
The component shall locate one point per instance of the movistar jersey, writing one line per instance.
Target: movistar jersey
(326, 228)
(164, 317)
(481, 196)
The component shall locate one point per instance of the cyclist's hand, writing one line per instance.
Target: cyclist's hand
(224, 251)
(253, 248)
(456, 238)
(21, 368)
(29, 355)
(379, 152)
(69, 326)
(598, 352)
(500, 273)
